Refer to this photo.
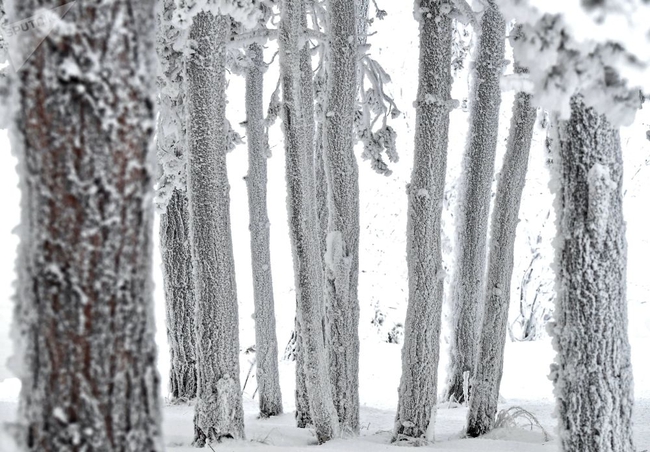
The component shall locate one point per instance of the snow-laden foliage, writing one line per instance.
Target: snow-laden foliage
(248, 12)
(592, 374)
(421, 350)
(467, 289)
(82, 131)
(602, 53)
(371, 120)
(501, 255)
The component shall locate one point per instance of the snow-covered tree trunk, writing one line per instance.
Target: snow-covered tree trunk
(303, 225)
(474, 201)
(82, 130)
(420, 353)
(342, 254)
(219, 412)
(174, 218)
(505, 217)
(593, 373)
(179, 296)
(362, 21)
(266, 343)
(303, 416)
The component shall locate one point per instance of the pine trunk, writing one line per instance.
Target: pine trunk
(303, 226)
(266, 343)
(421, 350)
(342, 254)
(219, 411)
(84, 312)
(179, 296)
(474, 203)
(303, 417)
(505, 217)
(593, 373)
(174, 218)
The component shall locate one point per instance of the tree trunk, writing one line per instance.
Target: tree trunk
(342, 255)
(303, 416)
(593, 374)
(421, 350)
(179, 296)
(303, 226)
(505, 217)
(84, 312)
(174, 218)
(219, 411)
(266, 344)
(474, 202)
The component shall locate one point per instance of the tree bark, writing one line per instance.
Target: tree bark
(303, 226)
(266, 343)
(593, 374)
(421, 350)
(342, 254)
(474, 203)
(505, 217)
(219, 411)
(179, 296)
(303, 416)
(84, 312)
(174, 219)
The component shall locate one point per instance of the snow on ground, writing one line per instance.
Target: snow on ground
(524, 384)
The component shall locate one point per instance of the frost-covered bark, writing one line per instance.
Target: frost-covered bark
(303, 226)
(362, 21)
(505, 217)
(219, 412)
(593, 373)
(179, 296)
(83, 130)
(474, 201)
(266, 343)
(174, 218)
(303, 416)
(420, 353)
(342, 254)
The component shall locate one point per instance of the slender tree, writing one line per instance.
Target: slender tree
(303, 225)
(83, 129)
(593, 373)
(505, 217)
(219, 411)
(172, 202)
(342, 254)
(266, 344)
(474, 202)
(303, 416)
(420, 353)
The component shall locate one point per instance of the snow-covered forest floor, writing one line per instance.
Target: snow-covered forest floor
(383, 284)
(524, 385)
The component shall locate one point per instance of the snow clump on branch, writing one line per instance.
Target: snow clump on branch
(604, 60)
(248, 12)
